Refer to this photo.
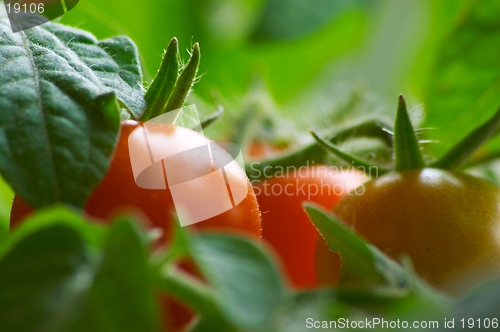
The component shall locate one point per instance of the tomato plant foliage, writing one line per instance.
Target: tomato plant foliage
(60, 101)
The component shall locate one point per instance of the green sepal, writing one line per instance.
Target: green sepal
(185, 82)
(212, 118)
(407, 153)
(314, 154)
(353, 160)
(466, 147)
(163, 84)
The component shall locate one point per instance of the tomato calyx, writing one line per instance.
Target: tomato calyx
(172, 84)
(407, 154)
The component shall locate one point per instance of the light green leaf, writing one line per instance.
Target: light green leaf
(245, 278)
(288, 19)
(365, 265)
(463, 87)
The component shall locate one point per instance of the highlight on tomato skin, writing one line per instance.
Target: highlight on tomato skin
(286, 226)
(118, 193)
(447, 222)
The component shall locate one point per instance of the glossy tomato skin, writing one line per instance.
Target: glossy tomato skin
(448, 223)
(286, 227)
(119, 193)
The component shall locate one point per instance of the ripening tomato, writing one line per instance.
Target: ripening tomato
(118, 192)
(447, 223)
(285, 225)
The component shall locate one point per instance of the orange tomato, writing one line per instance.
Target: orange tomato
(285, 225)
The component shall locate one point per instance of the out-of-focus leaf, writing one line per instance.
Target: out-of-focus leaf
(358, 260)
(245, 278)
(463, 89)
(481, 302)
(120, 298)
(288, 19)
(363, 265)
(301, 308)
(6, 197)
(66, 274)
(92, 233)
(43, 280)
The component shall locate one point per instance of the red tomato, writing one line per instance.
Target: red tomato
(118, 192)
(285, 225)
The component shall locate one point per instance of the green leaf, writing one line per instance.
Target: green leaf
(466, 147)
(366, 270)
(6, 197)
(43, 280)
(92, 233)
(245, 278)
(185, 82)
(463, 87)
(58, 121)
(163, 84)
(114, 61)
(68, 274)
(358, 261)
(407, 153)
(310, 304)
(481, 302)
(121, 297)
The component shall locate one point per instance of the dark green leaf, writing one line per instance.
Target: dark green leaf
(407, 153)
(245, 278)
(120, 298)
(57, 133)
(43, 280)
(49, 273)
(114, 61)
(463, 89)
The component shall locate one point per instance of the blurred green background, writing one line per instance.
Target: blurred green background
(304, 64)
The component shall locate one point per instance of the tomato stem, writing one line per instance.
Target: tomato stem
(353, 160)
(212, 118)
(163, 84)
(407, 153)
(314, 154)
(186, 288)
